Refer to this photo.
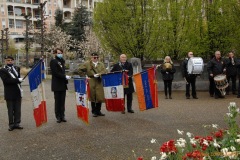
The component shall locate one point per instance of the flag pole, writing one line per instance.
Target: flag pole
(32, 68)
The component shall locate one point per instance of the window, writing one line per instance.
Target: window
(11, 23)
(2, 9)
(19, 24)
(50, 12)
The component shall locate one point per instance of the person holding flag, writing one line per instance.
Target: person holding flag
(59, 84)
(126, 67)
(10, 76)
(93, 69)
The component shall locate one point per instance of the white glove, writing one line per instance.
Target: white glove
(167, 72)
(96, 75)
(68, 77)
(20, 80)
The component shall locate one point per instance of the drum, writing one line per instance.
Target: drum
(221, 81)
(195, 65)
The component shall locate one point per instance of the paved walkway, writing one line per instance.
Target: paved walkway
(112, 137)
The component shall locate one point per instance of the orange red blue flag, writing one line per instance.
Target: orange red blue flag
(146, 89)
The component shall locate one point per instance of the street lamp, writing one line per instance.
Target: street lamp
(27, 17)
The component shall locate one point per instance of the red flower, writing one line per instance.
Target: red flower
(218, 134)
(195, 155)
(140, 158)
(168, 147)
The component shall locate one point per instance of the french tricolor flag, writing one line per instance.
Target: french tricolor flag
(113, 91)
(35, 77)
(81, 90)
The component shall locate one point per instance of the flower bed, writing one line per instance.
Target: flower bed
(221, 144)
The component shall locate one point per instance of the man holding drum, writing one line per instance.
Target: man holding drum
(216, 67)
(189, 78)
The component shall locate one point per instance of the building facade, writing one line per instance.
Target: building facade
(13, 11)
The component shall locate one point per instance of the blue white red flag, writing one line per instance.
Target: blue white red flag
(82, 102)
(35, 77)
(113, 91)
(146, 89)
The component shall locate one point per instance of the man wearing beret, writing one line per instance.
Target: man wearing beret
(59, 84)
(93, 69)
(10, 76)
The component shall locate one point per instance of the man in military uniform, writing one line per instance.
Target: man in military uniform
(93, 69)
(10, 75)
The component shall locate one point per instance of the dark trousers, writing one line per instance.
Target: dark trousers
(233, 79)
(239, 86)
(14, 112)
(191, 82)
(211, 86)
(59, 97)
(168, 87)
(129, 100)
(217, 92)
(96, 107)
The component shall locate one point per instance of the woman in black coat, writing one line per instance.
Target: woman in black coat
(168, 70)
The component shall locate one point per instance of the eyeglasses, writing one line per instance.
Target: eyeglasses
(95, 57)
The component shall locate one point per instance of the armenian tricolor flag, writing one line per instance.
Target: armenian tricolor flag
(146, 89)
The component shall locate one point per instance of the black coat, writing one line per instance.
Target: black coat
(167, 74)
(59, 81)
(231, 70)
(126, 66)
(215, 67)
(11, 88)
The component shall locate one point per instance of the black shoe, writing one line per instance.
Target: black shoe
(95, 115)
(211, 95)
(18, 127)
(234, 93)
(58, 120)
(170, 97)
(100, 114)
(10, 128)
(221, 97)
(216, 97)
(195, 97)
(63, 120)
(187, 97)
(130, 111)
(166, 97)
(123, 112)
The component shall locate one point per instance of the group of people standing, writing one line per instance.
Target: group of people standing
(216, 66)
(93, 69)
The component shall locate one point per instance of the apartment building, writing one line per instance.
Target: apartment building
(12, 11)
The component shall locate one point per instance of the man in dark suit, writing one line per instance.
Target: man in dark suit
(231, 71)
(59, 84)
(125, 66)
(10, 75)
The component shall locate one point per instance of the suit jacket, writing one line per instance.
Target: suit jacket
(11, 88)
(59, 81)
(126, 66)
(231, 70)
